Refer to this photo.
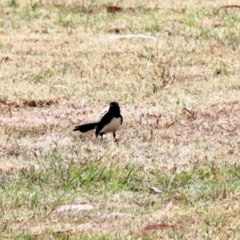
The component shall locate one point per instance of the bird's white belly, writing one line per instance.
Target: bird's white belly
(112, 126)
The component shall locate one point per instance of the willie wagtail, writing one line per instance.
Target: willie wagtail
(110, 122)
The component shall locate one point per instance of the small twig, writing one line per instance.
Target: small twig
(151, 138)
(232, 129)
(129, 36)
(192, 113)
(185, 109)
(228, 6)
(10, 111)
(140, 119)
(169, 125)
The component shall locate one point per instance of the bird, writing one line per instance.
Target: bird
(110, 122)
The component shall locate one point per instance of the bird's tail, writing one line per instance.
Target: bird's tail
(86, 127)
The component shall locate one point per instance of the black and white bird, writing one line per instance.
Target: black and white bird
(110, 122)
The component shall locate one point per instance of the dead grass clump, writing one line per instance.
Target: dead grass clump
(28, 103)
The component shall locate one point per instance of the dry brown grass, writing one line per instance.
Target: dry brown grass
(179, 97)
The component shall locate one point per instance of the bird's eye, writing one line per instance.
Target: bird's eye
(113, 104)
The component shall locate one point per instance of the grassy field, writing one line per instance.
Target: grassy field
(175, 172)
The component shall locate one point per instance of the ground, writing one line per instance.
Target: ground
(174, 173)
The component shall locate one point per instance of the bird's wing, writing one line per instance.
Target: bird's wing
(105, 120)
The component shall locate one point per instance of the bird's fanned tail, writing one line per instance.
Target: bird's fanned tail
(86, 127)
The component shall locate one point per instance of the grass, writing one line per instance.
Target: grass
(176, 163)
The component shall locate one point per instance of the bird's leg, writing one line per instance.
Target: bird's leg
(114, 135)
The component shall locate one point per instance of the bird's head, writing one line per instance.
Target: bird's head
(114, 106)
